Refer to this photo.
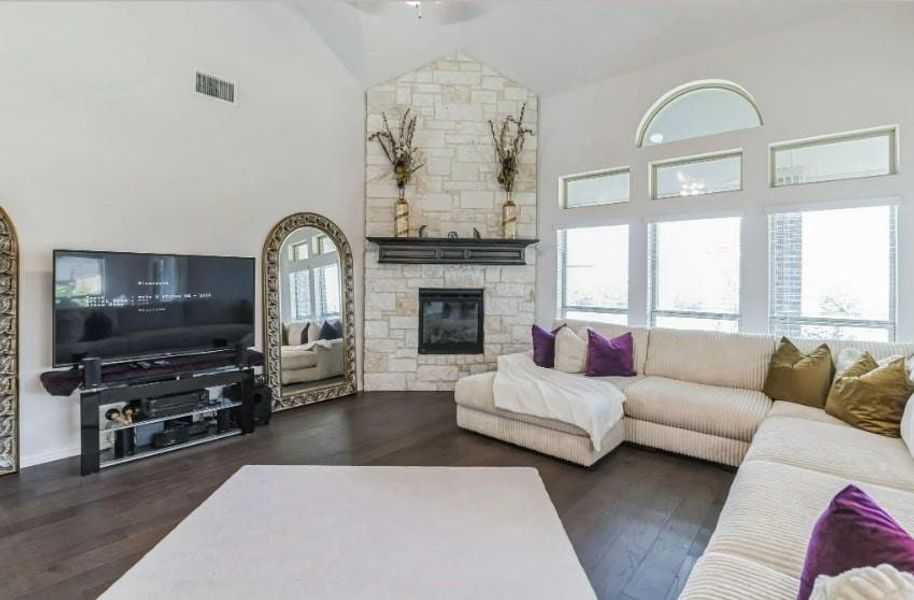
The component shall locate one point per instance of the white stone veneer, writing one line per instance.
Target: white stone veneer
(454, 98)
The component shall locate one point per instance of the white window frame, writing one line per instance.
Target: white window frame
(695, 159)
(891, 325)
(652, 277)
(688, 88)
(890, 131)
(564, 180)
(563, 307)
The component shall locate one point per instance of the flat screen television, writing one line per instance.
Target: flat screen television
(123, 306)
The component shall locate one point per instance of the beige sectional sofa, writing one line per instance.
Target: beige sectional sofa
(699, 394)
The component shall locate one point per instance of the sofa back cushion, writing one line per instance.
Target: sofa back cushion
(878, 350)
(639, 336)
(727, 359)
(294, 333)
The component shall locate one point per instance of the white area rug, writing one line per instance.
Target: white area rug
(366, 532)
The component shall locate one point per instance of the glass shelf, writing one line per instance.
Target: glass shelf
(209, 408)
(107, 456)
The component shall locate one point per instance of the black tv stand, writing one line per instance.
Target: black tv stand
(226, 416)
(140, 364)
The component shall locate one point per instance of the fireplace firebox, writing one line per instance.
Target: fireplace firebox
(451, 321)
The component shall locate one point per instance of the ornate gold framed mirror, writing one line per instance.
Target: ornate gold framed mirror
(308, 312)
(9, 346)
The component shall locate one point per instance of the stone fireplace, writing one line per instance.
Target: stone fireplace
(451, 321)
(455, 191)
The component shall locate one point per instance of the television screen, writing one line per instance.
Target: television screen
(121, 306)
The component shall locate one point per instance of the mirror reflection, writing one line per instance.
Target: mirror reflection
(312, 325)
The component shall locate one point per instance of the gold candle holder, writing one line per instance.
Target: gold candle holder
(509, 219)
(401, 218)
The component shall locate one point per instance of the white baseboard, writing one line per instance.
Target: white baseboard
(30, 460)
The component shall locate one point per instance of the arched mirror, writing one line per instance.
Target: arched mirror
(309, 341)
(9, 346)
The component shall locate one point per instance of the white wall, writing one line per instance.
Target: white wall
(104, 145)
(837, 74)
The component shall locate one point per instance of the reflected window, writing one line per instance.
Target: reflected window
(78, 278)
(300, 295)
(328, 287)
(311, 275)
(298, 251)
(323, 245)
(698, 109)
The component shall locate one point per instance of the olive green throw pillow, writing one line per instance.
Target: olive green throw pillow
(797, 377)
(872, 397)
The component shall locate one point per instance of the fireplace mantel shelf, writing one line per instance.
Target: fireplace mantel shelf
(452, 251)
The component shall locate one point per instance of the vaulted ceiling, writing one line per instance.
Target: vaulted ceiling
(548, 45)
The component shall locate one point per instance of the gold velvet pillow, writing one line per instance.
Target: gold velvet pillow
(872, 397)
(797, 377)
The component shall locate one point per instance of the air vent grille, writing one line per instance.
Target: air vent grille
(215, 87)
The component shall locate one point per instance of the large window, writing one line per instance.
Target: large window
(833, 273)
(694, 176)
(844, 156)
(593, 272)
(694, 274)
(595, 189)
(698, 109)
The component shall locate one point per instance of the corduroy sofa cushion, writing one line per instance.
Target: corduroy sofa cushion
(836, 449)
(725, 412)
(726, 359)
(772, 509)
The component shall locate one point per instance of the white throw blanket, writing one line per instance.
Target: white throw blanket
(522, 387)
(884, 582)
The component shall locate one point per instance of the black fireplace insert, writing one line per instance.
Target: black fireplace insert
(451, 321)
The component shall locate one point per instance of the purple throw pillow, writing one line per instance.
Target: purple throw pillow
(331, 330)
(544, 346)
(854, 532)
(607, 357)
(304, 334)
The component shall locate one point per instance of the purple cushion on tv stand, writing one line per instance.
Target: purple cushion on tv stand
(610, 357)
(854, 532)
(544, 346)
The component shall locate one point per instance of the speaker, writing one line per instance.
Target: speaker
(263, 401)
(92, 372)
(123, 443)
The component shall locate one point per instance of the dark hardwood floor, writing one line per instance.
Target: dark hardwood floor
(638, 519)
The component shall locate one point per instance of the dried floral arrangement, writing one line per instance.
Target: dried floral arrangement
(399, 148)
(509, 143)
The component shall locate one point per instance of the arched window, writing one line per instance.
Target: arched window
(697, 109)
